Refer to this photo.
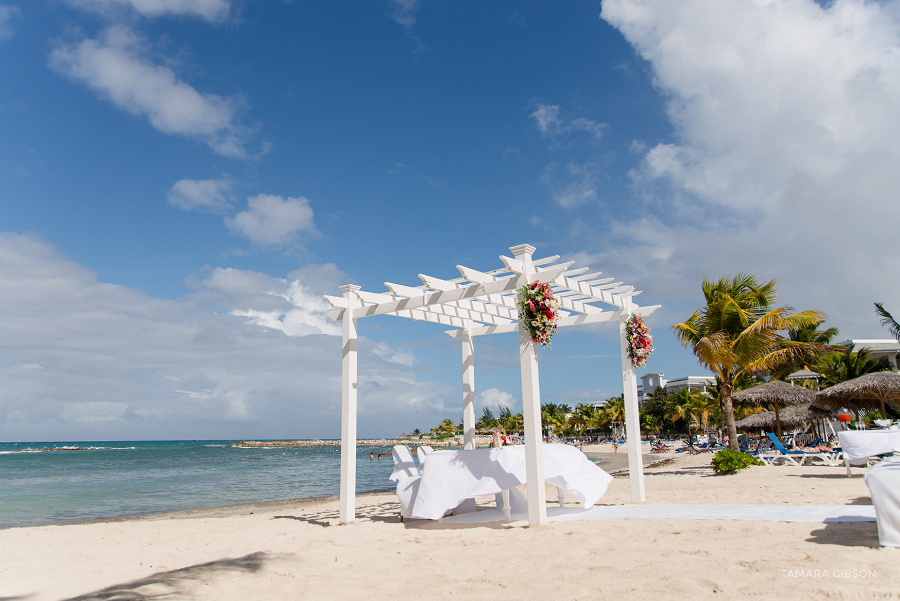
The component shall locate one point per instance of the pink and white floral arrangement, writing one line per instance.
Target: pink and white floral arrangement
(538, 311)
(640, 342)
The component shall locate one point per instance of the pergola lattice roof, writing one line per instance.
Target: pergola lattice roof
(485, 302)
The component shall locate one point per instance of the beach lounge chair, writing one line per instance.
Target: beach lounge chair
(658, 447)
(794, 457)
(693, 450)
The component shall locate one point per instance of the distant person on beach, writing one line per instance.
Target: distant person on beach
(616, 446)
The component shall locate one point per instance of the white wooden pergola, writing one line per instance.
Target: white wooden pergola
(481, 303)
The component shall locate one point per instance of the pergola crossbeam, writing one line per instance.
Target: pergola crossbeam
(572, 320)
(407, 291)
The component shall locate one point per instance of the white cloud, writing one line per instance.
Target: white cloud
(88, 413)
(212, 195)
(404, 12)
(8, 14)
(85, 360)
(324, 278)
(393, 355)
(210, 10)
(572, 185)
(272, 220)
(116, 66)
(495, 399)
(551, 125)
(784, 159)
(287, 306)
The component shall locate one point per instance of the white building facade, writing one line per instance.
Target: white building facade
(652, 381)
(878, 348)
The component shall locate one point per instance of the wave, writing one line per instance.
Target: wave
(64, 448)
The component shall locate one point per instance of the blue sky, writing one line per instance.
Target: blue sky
(181, 182)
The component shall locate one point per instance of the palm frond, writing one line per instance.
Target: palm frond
(888, 321)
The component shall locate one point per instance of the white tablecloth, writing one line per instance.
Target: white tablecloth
(883, 481)
(859, 445)
(450, 477)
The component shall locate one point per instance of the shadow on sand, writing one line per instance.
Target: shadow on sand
(846, 534)
(382, 512)
(169, 585)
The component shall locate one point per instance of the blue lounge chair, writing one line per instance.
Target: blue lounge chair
(793, 457)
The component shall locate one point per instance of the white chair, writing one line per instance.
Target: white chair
(407, 477)
(422, 452)
(406, 492)
(404, 465)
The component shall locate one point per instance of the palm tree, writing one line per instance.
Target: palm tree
(417, 433)
(487, 420)
(819, 341)
(614, 411)
(840, 367)
(516, 424)
(505, 420)
(742, 382)
(650, 423)
(656, 410)
(888, 321)
(736, 333)
(585, 417)
(555, 416)
(447, 428)
(693, 407)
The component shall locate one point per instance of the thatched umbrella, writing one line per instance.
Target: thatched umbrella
(869, 391)
(804, 413)
(757, 421)
(792, 416)
(775, 395)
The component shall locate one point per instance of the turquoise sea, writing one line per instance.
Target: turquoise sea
(58, 482)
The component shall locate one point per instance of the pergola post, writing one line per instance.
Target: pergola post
(348, 407)
(468, 379)
(632, 421)
(531, 404)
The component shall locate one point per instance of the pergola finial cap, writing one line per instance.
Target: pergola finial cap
(522, 249)
(350, 288)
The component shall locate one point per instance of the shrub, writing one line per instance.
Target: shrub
(728, 461)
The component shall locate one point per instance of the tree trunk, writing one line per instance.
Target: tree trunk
(729, 419)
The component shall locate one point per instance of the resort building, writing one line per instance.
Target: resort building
(652, 381)
(878, 348)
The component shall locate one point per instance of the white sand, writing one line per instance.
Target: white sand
(301, 553)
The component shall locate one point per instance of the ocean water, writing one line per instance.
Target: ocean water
(79, 481)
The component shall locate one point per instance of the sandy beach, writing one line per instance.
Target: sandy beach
(298, 551)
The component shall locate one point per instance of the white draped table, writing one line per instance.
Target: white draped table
(859, 445)
(883, 481)
(450, 477)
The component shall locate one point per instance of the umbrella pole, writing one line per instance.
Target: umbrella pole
(777, 421)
